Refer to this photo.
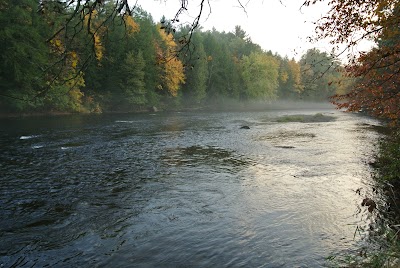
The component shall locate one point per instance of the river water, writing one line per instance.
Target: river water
(183, 189)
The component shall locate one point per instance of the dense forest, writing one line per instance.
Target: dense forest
(128, 62)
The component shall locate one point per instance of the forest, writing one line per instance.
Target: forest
(130, 63)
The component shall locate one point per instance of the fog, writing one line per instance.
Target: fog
(227, 104)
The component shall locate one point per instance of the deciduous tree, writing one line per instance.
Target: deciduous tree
(377, 72)
(319, 70)
(290, 80)
(260, 75)
(173, 72)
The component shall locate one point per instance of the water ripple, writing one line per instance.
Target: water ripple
(182, 189)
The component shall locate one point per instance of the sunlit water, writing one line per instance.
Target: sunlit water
(182, 189)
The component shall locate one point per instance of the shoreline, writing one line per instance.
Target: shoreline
(240, 107)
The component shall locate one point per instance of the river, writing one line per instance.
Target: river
(189, 189)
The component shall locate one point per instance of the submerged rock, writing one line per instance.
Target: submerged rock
(285, 146)
(305, 118)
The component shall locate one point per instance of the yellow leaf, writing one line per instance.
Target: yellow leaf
(98, 47)
(74, 59)
(174, 74)
(131, 25)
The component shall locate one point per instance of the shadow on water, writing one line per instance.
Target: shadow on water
(287, 135)
(205, 155)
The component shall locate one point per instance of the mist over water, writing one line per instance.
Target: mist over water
(227, 104)
(184, 189)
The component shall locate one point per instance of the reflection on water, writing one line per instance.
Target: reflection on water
(183, 189)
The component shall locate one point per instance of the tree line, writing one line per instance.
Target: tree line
(128, 62)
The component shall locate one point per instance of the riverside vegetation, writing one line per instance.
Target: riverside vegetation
(131, 63)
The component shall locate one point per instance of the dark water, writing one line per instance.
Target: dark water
(182, 189)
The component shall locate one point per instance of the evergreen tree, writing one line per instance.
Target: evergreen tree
(145, 40)
(194, 90)
(133, 84)
(23, 54)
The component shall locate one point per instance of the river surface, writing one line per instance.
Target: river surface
(183, 189)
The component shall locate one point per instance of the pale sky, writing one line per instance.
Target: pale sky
(279, 26)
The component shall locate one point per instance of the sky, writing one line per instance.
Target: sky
(280, 26)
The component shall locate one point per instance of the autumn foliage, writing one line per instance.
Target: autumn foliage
(377, 88)
(173, 71)
(377, 72)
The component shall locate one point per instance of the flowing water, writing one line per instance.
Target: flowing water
(183, 189)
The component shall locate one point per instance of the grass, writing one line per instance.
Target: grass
(387, 256)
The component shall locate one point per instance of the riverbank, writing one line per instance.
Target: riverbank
(34, 114)
(223, 106)
(384, 221)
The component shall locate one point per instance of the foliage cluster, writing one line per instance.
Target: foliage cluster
(106, 61)
(388, 159)
(377, 72)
